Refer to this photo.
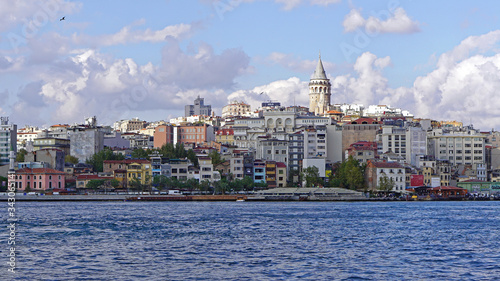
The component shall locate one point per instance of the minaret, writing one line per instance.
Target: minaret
(319, 90)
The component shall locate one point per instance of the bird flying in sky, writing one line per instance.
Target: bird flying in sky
(63, 18)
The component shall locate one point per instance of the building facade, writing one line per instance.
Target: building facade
(198, 108)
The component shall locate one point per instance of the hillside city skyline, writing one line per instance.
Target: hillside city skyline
(124, 60)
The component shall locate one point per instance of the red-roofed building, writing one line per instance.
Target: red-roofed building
(39, 179)
(82, 180)
(395, 172)
(225, 136)
(109, 166)
(362, 151)
(361, 129)
(447, 192)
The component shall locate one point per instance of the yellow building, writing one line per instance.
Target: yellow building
(225, 136)
(140, 170)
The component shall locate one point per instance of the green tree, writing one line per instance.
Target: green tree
(160, 181)
(192, 184)
(95, 184)
(349, 174)
(180, 151)
(216, 158)
(98, 159)
(21, 154)
(168, 150)
(140, 153)
(191, 155)
(311, 176)
(114, 183)
(204, 186)
(135, 184)
(71, 159)
(386, 184)
(248, 183)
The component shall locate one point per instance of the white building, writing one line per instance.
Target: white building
(8, 139)
(462, 147)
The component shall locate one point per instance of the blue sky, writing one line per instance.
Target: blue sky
(124, 59)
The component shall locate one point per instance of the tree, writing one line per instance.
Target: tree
(160, 181)
(349, 174)
(20, 155)
(216, 158)
(140, 153)
(94, 184)
(71, 159)
(204, 186)
(247, 183)
(385, 184)
(311, 176)
(136, 184)
(192, 184)
(191, 155)
(114, 183)
(180, 151)
(98, 159)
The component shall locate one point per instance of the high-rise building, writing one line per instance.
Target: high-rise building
(8, 139)
(198, 108)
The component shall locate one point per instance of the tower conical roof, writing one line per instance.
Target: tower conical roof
(319, 73)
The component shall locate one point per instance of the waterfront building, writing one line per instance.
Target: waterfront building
(140, 170)
(83, 179)
(180, 169)
(394, 172)
(237, 167)
(259, 171)
(39, 179)
(281, 174)
(198, 108)
(271, 169)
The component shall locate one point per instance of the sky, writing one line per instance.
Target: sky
(148, 59)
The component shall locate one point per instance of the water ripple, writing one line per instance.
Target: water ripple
(258, 241)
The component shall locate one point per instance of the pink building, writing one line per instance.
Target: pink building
(39, 179)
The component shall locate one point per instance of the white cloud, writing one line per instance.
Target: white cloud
(287, 92)
(397, 22)
(91, 83)
(128, 35)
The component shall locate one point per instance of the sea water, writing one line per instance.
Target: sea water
(255, 241)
